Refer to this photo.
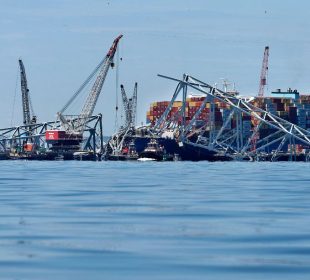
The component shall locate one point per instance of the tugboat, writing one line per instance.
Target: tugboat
(153, 151)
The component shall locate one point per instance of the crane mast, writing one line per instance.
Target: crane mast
(262, 83)
(263, 75)
(134, 104)
(25, 94)
(130, 106)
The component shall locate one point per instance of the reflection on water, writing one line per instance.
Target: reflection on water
(178, 220)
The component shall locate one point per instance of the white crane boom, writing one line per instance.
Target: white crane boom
(130, 106)
(92, 98)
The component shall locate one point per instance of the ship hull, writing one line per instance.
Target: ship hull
(171, 147)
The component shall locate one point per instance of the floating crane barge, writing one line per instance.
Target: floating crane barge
(64, 138)
(13, 141)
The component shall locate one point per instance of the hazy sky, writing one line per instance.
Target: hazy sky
(62, 41)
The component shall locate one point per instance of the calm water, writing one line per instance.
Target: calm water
(183, 220)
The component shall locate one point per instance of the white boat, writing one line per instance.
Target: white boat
(146, 159)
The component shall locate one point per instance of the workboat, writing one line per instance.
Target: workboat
(30, 156)
(153, 151)
(85, 155)
(128, 152)
(131, 152)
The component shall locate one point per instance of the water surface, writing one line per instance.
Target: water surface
(148, 220)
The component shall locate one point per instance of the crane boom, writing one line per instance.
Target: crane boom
(262, 83)
(124, 97)
(92, 98)
(25, 94)
(130, 106)
(127, 109)
(263, 75)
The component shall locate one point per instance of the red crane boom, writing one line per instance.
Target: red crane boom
(263, 75)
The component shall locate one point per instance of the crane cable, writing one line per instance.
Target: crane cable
(82, 86)
(14, 99)
(116, 91)
(33, 114)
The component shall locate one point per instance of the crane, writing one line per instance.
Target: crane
(68, 137)
(28, 114)
(90, 103)
(262, 83)
(263, 75)
(130, 106)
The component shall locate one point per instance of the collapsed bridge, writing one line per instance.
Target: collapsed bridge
(234, 137)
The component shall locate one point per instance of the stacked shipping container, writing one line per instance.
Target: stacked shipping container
(296, 111)
(192, 106)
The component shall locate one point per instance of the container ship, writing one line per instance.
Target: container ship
(288, 105)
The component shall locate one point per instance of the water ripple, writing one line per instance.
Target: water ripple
(183, 220)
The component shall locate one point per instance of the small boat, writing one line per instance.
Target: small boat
(84, 155)
(176, 157)
(59, 157)
(128, 153)
(153, 151)
(145, 159)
